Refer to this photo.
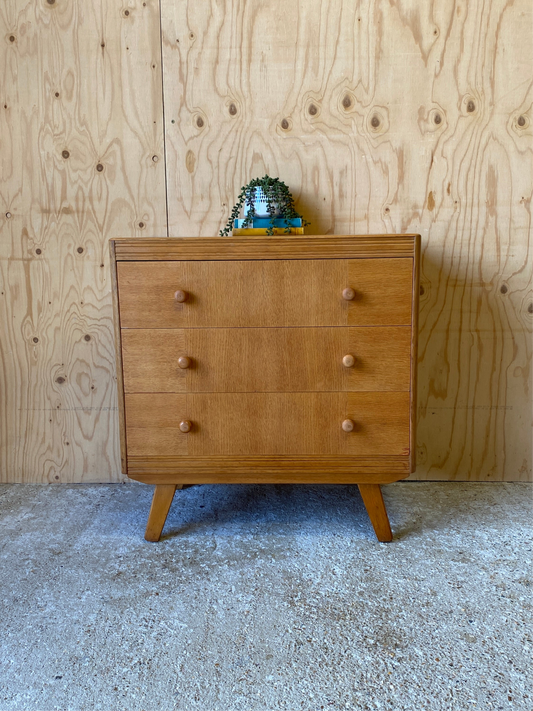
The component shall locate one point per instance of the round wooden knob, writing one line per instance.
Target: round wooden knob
(185, 426)
(181, 296)
(348, 360)
(348, 425)
(184, 362)
(348, 294)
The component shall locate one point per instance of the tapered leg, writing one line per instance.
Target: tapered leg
(163, 495)
(375, 506)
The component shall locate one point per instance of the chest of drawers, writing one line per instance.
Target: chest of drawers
(267, 360)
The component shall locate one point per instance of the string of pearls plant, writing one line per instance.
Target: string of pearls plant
(275, 200)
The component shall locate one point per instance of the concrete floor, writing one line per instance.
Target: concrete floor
(264, 598)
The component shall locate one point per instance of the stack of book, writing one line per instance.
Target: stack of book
(261, 224)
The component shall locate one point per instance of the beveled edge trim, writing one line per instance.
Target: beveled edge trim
(268, 478)
(277, 247)
(414, 354)
(213, 469)
(118, 359)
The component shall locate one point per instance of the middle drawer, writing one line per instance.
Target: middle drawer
(373, 358)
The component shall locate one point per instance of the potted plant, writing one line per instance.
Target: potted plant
(267, 203)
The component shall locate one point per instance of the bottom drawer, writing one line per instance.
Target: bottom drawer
(244, 424)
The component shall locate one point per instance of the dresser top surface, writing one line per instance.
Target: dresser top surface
(265, 247)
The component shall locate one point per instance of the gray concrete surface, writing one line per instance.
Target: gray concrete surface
(266, 597)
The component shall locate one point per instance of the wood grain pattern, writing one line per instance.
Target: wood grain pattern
(161, 501)
(265, 294)
(268, 470)
(267, 424)
(413, 424)
(81, 160)
(266, 360)
(384, 117)
(254, 247)
(373, 500)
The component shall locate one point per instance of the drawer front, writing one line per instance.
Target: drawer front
(266, 359)
(265, 293)
(251, 424)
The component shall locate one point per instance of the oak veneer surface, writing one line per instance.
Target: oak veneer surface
(265, 293)
(262, 247)
(267, 424)
(274, 469)
(266, 359)
(262, 343)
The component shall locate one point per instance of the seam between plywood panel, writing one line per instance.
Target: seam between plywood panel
(163, 110)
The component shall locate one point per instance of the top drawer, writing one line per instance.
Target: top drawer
(265, 293)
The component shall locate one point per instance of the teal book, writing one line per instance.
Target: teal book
(265, 222)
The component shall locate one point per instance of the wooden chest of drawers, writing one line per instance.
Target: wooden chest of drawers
(267, 360)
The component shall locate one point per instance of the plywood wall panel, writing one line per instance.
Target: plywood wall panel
(383, 117)
(82, 160)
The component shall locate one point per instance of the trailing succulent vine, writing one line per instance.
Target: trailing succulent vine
(278, 198)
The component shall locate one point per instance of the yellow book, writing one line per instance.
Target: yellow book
(253, 231)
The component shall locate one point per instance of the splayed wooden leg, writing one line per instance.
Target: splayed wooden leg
(163, 495)
(375, 506)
